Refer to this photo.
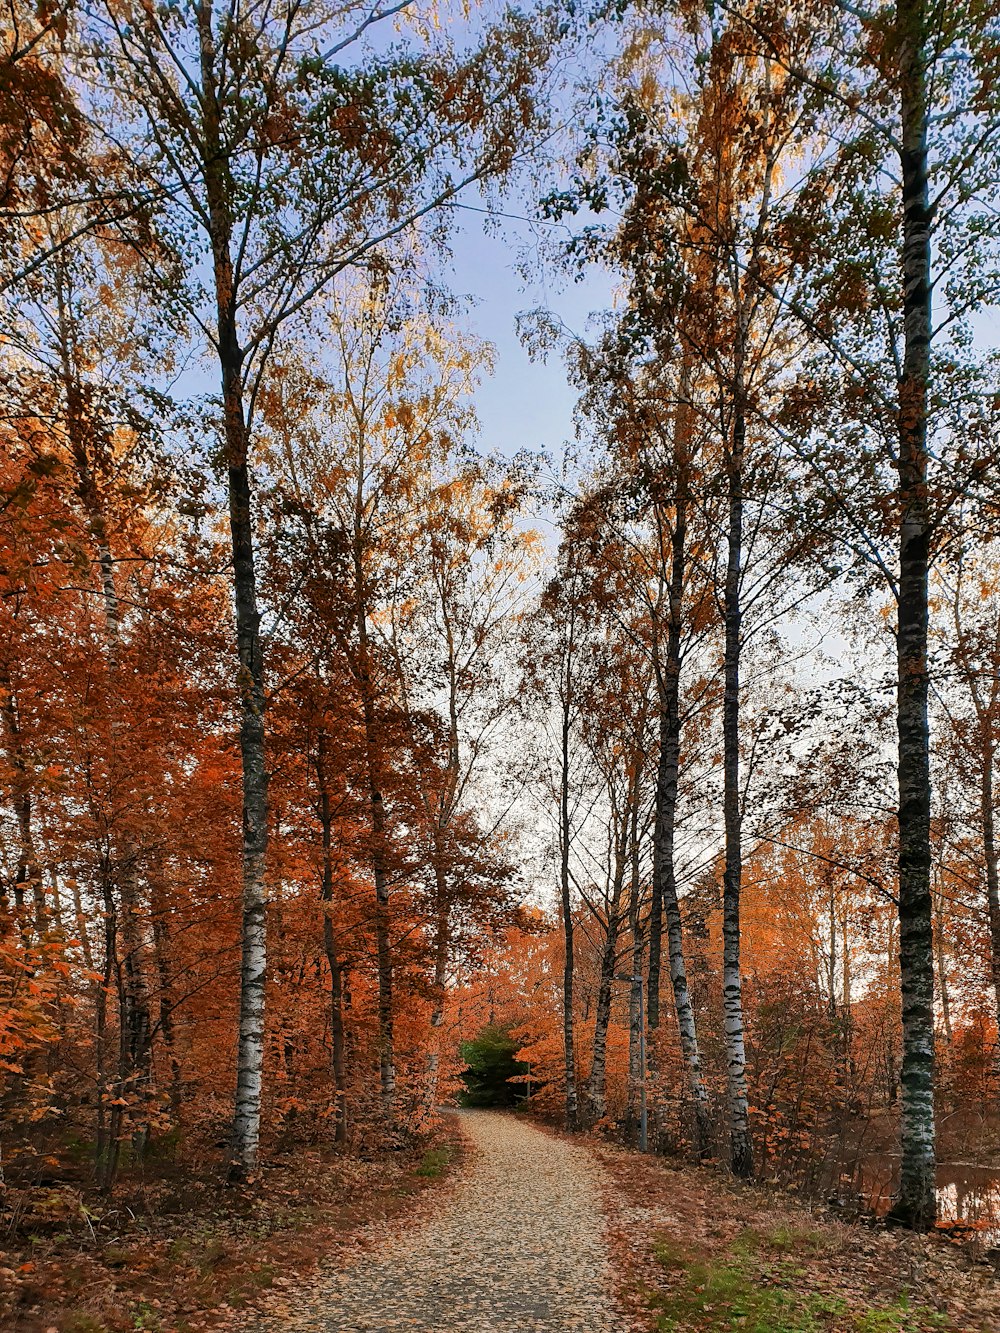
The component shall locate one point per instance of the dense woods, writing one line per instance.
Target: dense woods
(331, 737)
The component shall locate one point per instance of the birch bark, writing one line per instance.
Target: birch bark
(915, 1205)
(253, 937)
(740, 1148)
(668, 674)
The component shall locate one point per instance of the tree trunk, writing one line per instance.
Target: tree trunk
(379, 858)
(337, 1060)
(167, 1003)
(383, 946)
(667, 778)
(915, 1205)
(28, 880)
(566, 903)
(990, 859)
(253, 936)
(596, 1085)
(740, 1148)
(636, 1072)
(106, 1147)
(442, 942)
(655, 934)
(942, 966)
(219, 193)
(81, 928)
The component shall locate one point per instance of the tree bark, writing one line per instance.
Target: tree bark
(376, 806)
(28, 881)
(942, 968)
(740, 1148)
(915, 1205)
(990, 858)
(442, 943)
(566, 902)
(655, 933)
(667, 778)
(596, 1085)
(636, 1072)
(338, 1054)
(253, 937)
(161, 949)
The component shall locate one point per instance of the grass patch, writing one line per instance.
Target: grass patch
(145, 1318)
(85, 1323)
(434, 1163)
(758, 1285)
(781, 1240)
(900, 1317)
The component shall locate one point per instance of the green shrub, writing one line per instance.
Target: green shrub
(490, 1066)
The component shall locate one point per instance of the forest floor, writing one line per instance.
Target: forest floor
(180, 1252)
(522, 1229)
(695, 1251)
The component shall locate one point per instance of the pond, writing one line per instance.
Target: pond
(967, 1192)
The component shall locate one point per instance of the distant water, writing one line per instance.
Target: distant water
(966, 1192)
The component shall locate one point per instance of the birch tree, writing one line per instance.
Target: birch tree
(285, 164)
(912, 124)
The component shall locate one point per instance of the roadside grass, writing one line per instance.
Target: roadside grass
(435, 1162)
(757, 1284)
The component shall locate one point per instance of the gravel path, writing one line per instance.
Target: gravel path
(516, 1245)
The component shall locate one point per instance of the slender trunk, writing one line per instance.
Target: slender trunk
(915, 1205)
(846, 1014)
(108, 1115)
(161, 954)
(740, 1148)
(442, 942)
(596, 1085)
(566, 903)
(636, 1073)
(655, 934)
(81, 927)
(337, 1060)
(219, 194)
(667, 778)
(57, 900)
(376, 807)
(253, 933)
(375, 772)
(990, 858)
(28, 881)
(380, 874)
(939, 958)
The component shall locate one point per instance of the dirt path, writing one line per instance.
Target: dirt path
(516, 1245)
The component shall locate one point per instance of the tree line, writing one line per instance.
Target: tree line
(292, 694)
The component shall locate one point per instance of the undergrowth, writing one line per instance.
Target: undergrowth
(758, 1285)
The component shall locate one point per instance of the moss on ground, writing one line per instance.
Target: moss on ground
(434, 1162)
(758, 1285)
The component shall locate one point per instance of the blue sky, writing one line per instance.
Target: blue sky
(526, 404)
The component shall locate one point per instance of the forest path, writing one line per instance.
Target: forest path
(517, 1244)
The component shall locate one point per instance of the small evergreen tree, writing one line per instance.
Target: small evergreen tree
(490, 1067)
